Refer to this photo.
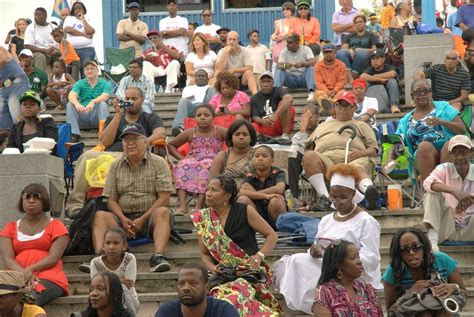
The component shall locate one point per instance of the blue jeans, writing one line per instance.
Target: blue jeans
(386, 95)
(86, 119)
(283, 78)
(187, 109)
(85, 54)
(9, 103)
(357, 63)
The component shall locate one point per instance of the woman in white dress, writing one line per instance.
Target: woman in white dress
(296, 276)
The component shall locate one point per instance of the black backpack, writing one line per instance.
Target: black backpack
(80, 230)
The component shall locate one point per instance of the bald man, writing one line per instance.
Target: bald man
(449, 81)
(236, 60)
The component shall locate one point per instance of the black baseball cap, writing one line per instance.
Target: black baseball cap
(133, 128)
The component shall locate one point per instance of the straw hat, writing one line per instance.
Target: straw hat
(11, 282)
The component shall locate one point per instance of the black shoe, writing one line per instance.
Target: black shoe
(85, 267)
(75, 138)
(323, 204)
(158, 263)
(176, 131)
(371, 196)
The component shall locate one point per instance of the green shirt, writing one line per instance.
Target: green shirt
(38, 80)
(85, 92)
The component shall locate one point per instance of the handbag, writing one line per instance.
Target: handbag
(413, 303)
(228, 274)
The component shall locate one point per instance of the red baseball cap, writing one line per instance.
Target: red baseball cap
(347, 96)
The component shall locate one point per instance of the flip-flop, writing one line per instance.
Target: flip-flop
(179, 212)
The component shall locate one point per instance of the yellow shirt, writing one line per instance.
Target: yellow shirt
(386, 15)
(32, 311)
(138, 28)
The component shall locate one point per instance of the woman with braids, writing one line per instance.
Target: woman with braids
(105, 297)
(296, 276)
(14, 297)
(339, 291)
(411, 263)
(226, 234)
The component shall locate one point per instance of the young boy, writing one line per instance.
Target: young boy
(309, 123)
(264, 186)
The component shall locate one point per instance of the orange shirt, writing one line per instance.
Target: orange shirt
(71, 55)
(311, 30)
(386, 15)
(330, 77)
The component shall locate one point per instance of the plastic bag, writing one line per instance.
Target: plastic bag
(97, 170)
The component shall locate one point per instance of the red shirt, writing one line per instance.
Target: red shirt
(30, 252)
(162, 58)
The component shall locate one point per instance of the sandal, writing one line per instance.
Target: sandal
(180, 212)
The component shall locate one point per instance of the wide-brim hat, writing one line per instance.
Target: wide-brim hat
(11, 282)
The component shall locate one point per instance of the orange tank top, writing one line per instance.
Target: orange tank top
(71, 55)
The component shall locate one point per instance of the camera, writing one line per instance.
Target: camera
(125, 104)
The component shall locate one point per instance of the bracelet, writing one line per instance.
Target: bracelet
(284, 66)
(262, 256)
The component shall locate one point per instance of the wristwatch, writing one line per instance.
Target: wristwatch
(458, 289)
(262, 256)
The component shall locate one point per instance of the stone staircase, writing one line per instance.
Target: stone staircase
(154, 288)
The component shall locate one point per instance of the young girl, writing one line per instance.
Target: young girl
(192, 171)
(68, 54)
(119, 262)
(59, 85)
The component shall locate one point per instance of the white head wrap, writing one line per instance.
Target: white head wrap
(349, 182)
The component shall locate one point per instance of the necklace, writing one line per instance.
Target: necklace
(348, 214)
(32, 230)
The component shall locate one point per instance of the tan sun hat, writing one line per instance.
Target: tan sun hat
(11, 282)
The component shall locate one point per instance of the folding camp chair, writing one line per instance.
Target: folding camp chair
(466, 117)
(114, 58)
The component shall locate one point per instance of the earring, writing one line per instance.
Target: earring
(339, 274)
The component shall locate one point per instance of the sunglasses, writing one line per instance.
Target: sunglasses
(285, 9)
(343, 106)
(422, 91)
(303, 8)
(34, 196)
(406, 250)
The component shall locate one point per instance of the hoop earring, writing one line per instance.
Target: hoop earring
(339, 275)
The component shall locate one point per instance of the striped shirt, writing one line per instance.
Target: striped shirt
(85, 92)
(147, 87)
(447, 86)
(137, 189)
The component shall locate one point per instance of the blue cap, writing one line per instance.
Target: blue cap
(329, 47)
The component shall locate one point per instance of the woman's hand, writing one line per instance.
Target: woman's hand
(215, 268)
(433, 121)
(255, 261)
(315, 251)
(127, 282)
(28, 276)
(419, 285)
(444, 290)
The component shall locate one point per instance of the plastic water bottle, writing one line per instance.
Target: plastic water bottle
(289, 199)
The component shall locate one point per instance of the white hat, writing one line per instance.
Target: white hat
(26, 52)
(460, 140)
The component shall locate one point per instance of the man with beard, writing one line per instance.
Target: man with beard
(193, 285)
(449, 198)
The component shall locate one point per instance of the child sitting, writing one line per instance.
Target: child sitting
(264, 186)
(119, 262)
(68, 54)
(59, 85)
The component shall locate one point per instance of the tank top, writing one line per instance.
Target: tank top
(238, 229)
(71, 55)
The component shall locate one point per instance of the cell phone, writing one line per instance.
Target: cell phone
(222, 109)
(125, 104)
(39, 288)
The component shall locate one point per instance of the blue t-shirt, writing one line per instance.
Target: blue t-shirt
(443, 264)
(215, 308)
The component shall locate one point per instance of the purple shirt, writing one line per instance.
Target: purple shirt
(466, 15)
(340, 17)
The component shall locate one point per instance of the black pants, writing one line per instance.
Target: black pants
(51, 292)
(294, 170)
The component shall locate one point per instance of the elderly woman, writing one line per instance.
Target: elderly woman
(226, 234)
(411, 263)
(35, 244)
(229, 102)
(200, 57)
(355, 52)
(14, 300)
(283, 27)
(307, 27)
(296, 276)
(428, 128)
(403, 15)
(31, 124)
(236, 160)
(339, 291)
(330, 150)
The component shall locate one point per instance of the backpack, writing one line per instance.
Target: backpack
(80, 230)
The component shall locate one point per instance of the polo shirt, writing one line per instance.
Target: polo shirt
(86, 93)
(138, 27)
(215, 308)
(340, 17)
(447, 86)
(38, 79)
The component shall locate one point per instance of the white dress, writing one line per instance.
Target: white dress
(296, 276)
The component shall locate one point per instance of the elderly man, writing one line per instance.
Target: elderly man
(295, 68)
(449, 81)
(132, 32)
(330, 150)
(236, 60)
(39, 40)
(137, 79)
(173, 29)
(449, 198)
(88, 100)
(343, 20)
(138, 190)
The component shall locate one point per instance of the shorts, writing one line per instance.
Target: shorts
(147, 230)
(276, 129)
(331, 158)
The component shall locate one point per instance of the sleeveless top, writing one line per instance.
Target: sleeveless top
(238, 229)
(237, 169)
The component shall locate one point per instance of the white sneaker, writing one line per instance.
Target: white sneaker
(284, 136)
(168, 90)
(310, 96)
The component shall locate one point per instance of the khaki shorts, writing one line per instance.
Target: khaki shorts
(331, 158)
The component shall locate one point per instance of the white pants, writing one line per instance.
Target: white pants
(171, 71)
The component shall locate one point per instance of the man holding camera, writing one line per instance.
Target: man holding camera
(88, 100)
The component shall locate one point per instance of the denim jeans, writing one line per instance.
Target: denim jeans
(86, 119)
(187, 108)
(357, 63)
(386, 95)
(85, 54)
(283, 78)
(9, 103)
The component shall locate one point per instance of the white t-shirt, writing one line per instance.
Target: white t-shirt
(208, 30)
(259, 55)
(78, 25)
(302, 55)
(207, 63)
(40, 36)
(176, 23)
(368, 103)
(196, 92)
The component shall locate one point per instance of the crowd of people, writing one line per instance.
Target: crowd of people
(238, 190)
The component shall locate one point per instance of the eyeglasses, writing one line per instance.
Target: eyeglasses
(406, 250)
(34, 196)
(343, 106)
(303, 8)
(285, 9)
(422, 91)
(206, 15)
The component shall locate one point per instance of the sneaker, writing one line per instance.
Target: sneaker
(323, 204)
(158, 263)
(85, 267)
(371, 195)
(326, 104)
(168, 90)
(284, 136)
(310, 96)
(395, 109)
(176, 131)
